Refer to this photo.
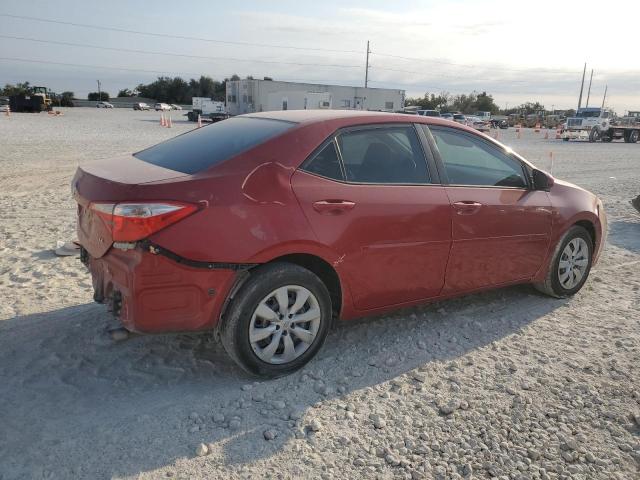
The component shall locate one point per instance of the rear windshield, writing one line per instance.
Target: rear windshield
(204, 147)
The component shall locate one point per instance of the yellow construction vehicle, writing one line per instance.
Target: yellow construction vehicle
(36, 99)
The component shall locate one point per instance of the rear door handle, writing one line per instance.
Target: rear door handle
(333, 207)
(467, 207)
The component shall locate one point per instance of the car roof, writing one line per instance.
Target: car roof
(349, 117)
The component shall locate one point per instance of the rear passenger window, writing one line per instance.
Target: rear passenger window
(326, 163)
(383, 155)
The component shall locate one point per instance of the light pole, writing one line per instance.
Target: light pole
(99, 93)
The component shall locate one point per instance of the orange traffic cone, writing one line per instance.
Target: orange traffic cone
(162, 124)
(169, 124)
(537, 129)
(558, 133)
(199, 121)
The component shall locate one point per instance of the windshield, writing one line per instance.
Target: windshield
(588, 114)
(204, 147)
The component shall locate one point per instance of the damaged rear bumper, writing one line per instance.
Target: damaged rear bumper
(151, 292)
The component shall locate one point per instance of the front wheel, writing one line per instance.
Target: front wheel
(594, 134)
(570, 264)
(633, 136)
(277, 321)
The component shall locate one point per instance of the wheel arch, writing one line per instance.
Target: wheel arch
(312, 261)
(589, 227)
(323, 270)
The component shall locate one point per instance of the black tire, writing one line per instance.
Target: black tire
(551, 285)
(234, 329)
(607, 138)
(565, 139)
(633, 136)
(594, 134)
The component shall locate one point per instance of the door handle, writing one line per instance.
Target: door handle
(333, 207)
(467, 207)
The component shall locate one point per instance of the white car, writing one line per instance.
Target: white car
(175, 107)
(104, 105)
(459, 118)
(161, 107)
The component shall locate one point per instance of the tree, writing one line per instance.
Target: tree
(66, 99)
(485, 103)
(125, 92)
(431, 101)
(18, 89)
(95, 97)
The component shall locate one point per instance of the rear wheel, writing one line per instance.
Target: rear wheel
(278, 320)
(633, 136)
(570, 264)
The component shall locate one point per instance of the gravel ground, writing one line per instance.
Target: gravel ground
(507, 384)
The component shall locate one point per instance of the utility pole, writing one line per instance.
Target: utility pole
(582, 85)
(589, 91)
(99, 94)
(366, 69)
(605, 96)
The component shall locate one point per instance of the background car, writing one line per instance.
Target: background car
(447, 116)
(429, 113)
(460, 118)
(141, 106)
(175, 107)
(478, 123)
(229, 227)
(104, 105)
(161, 107)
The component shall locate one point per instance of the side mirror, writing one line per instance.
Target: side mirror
(542, 180)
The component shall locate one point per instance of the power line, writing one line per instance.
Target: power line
(103, 67)
(179, 37)
(444, 62)
(64, 64)
(202, 57)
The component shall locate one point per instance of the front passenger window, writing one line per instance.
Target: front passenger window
(471, 161)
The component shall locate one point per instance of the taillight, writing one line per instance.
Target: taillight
(134, 221)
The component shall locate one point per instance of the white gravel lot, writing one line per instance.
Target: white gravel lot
(507, 384)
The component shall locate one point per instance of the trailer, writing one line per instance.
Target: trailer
(207, 109)
(597, 124)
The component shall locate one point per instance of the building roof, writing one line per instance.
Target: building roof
(398, 90)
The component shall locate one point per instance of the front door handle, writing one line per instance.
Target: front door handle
(467, 207)
(333, 207)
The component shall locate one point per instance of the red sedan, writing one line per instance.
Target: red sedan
(269, 226)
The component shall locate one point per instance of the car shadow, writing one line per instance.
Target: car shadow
(625, 234)
(148, 402)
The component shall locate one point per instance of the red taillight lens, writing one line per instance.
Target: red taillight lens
(131, 221)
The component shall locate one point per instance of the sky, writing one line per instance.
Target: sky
(516, 51)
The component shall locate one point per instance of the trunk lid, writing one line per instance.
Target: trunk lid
(120, 179)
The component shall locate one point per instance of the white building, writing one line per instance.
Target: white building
(248, 96)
